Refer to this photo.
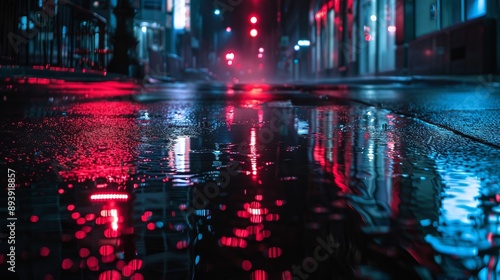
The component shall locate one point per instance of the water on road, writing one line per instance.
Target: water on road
(244, 185)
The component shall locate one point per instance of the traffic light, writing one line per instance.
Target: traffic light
(254, 32)
(253, 19)
(230, 58)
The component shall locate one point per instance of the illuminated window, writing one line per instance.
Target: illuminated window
(475, 8)
(180, 14)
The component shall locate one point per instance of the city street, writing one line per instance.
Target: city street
(251, 181)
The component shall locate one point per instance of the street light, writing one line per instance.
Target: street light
(304, 43)
(217, 12)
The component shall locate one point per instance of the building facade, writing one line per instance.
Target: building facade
(79, 34)
(403, 37)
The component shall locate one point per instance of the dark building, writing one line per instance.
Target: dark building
(79, 34)
(377, 37)
(294, 26)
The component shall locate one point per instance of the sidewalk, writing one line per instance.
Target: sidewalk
(441, 80)
(10, 74)
(19, 73)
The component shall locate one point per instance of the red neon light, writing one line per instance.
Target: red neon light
(109, 196)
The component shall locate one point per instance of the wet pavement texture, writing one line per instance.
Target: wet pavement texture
(471, 110)
(246, 184)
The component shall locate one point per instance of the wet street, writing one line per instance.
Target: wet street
(251, 182)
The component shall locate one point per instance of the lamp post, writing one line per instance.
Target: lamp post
(124, 60)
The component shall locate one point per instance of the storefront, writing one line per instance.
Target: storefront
(451, 37)
(354, 36)
(375, 35)
(325, 37)
(384, 37)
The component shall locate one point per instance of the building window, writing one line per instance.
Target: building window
(180, 14)
(475, 8)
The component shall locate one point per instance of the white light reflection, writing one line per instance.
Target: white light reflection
(253, 151)
(114, 222)
(459, 237)
(182, 147)
(460, 200)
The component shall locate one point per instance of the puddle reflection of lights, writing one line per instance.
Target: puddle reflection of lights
(253, 151)
(256, 90)
(109, 196)
(371, 151)
(114, 222)
(463, 190)
(260, 115)
(233, 242)
(257, 211)
(182, 147)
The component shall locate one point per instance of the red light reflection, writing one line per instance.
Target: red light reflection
(246, 265)
(110, 275)
(44, 251)
(259, 275)
(286, 275)
(114, 222)
(84, 252)
(242, 233)
(109, 196)
(67, 264)
(233, 242)
(274, 252)
(105, 250)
